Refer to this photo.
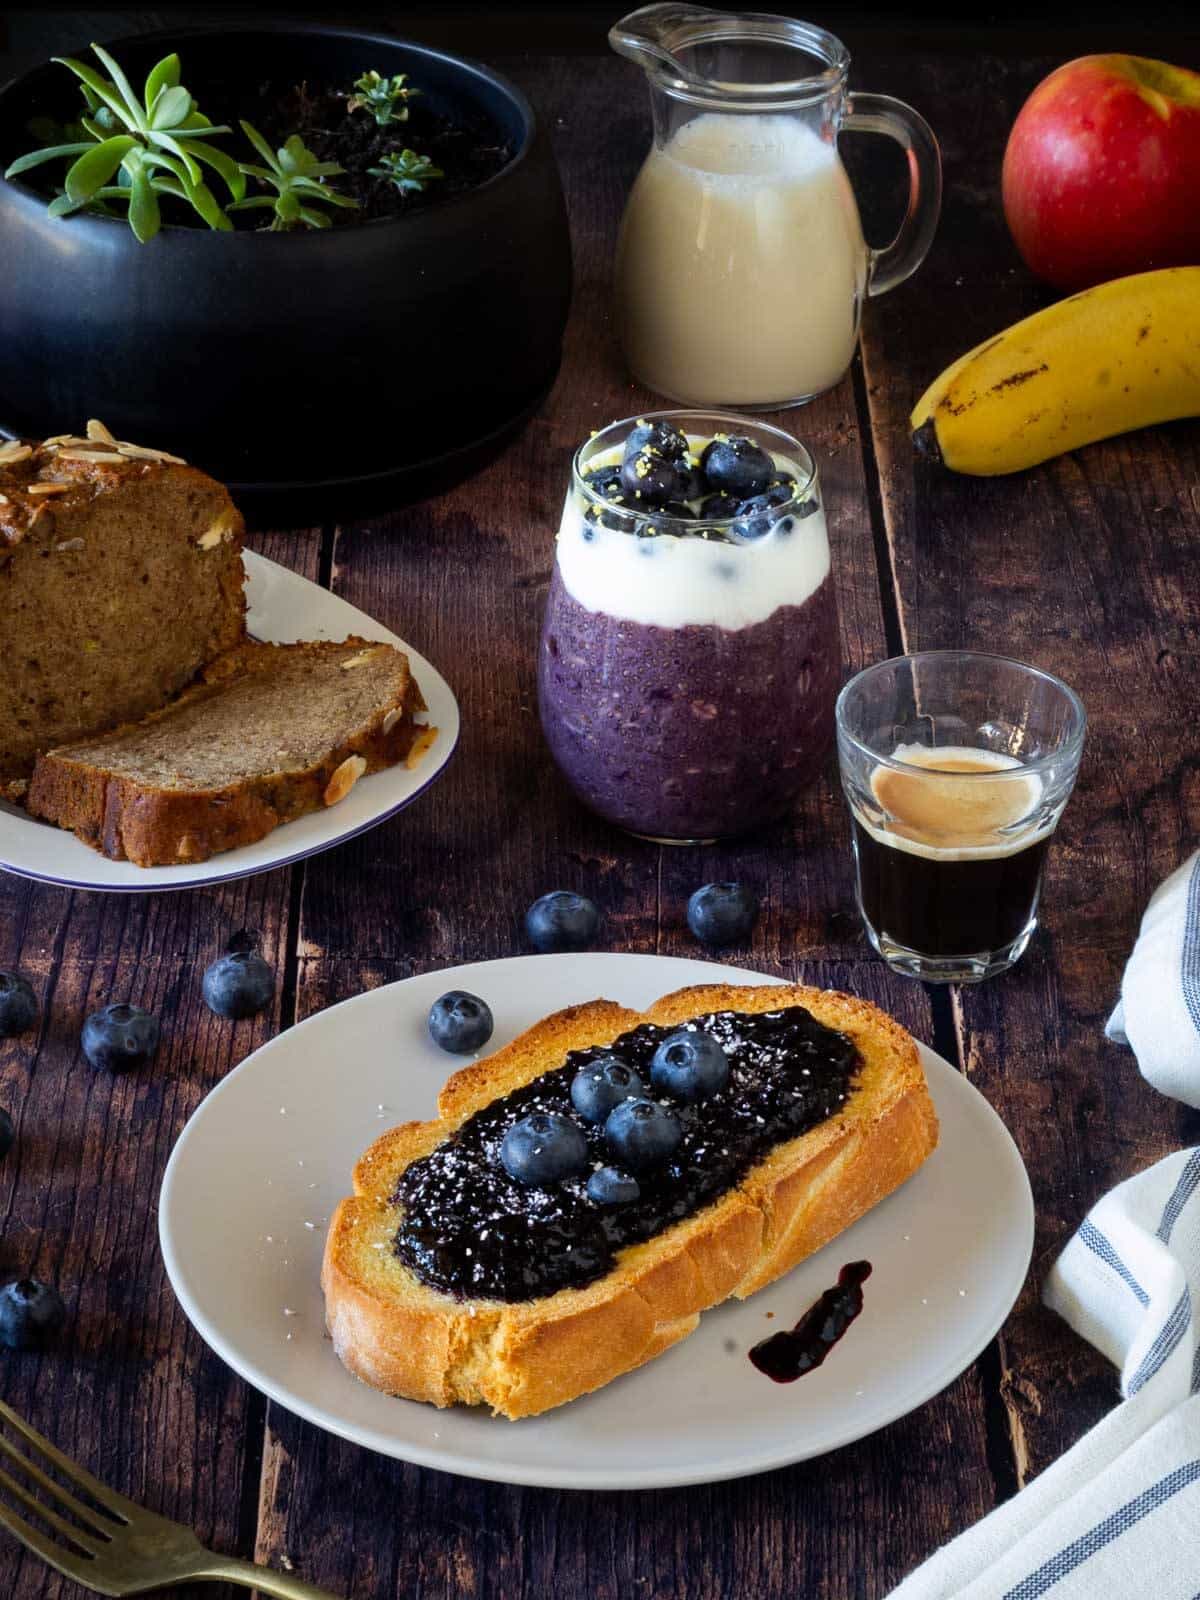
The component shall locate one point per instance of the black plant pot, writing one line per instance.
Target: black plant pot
(315, 370)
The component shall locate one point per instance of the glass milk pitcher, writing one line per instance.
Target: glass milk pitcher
(741, 264)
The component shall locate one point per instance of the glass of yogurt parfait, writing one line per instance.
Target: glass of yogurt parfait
(689, 659)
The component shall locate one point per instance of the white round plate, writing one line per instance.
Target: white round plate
(283, 607)
(262, 1162)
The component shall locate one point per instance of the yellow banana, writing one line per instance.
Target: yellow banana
(1122, 355)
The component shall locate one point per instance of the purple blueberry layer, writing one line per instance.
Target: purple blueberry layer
(689, 733)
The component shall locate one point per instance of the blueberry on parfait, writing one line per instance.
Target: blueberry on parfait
(737, 465)
(652, 479)
(659, 438)
(719, 507)
(605, 481)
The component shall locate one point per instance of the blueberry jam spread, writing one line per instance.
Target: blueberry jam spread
(790, 1353)
(472, 1229)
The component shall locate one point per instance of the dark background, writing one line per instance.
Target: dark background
(26, 33)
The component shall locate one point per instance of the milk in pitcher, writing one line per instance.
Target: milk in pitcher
(741, 263)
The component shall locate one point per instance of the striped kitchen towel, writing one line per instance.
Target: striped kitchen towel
(1118, 1517)
(1159, 1011)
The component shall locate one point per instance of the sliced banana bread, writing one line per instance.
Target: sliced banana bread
(270, 732)
(120, 579)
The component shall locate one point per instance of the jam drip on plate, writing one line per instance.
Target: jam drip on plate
(470, 1229)
(790, 1353)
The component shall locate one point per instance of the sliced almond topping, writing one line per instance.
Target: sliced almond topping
(48, 488)
(3, 500)
(13, 451)
(425, 737)
(70, 544)
(219, 530)
(392, 718)
(344, 779)
(97, 430)
(70, 452)
(142, 452)
(357, 661)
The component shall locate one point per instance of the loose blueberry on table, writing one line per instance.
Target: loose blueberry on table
(562, 921)
(460, 1022)
(722, 913)
(543, 1149)
(239, 984)
(120, 1037)
(31, 1313)
(18, 1005)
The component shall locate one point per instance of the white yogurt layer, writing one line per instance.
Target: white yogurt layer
(673, 581)
(954, 813)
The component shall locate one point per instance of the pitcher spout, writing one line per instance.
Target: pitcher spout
(732, 60)
(650, 35)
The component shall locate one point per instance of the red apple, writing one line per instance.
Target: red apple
(1102, 171)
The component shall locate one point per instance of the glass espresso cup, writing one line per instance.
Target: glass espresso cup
(956, 766)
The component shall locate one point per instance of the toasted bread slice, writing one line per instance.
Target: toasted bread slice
(397, 1334)
(269, 733)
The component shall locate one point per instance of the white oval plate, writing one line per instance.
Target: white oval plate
(283, 607)
(264, 1159)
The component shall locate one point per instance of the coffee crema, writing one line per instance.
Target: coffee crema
(950, 864)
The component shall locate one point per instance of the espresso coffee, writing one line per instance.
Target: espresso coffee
(950, 864)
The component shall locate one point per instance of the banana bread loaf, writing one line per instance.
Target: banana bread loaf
(120, 580)
(270, 732)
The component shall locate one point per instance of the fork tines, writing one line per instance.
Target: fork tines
(72, 1545)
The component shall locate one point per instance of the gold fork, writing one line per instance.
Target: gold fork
(119, 1548)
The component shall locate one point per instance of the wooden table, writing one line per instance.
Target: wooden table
(1089, 566)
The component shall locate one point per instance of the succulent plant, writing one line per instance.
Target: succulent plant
(385, 98)
(407, 170)
(297, 177)
(137, 149)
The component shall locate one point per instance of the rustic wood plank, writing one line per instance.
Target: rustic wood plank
(130, 1390)
(463, 578)
(1090, 566)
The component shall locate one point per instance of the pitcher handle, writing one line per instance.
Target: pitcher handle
(880, 113)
